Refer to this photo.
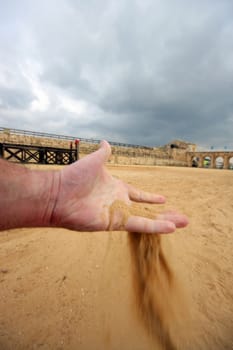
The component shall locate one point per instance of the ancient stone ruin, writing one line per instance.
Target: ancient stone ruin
(175, 153)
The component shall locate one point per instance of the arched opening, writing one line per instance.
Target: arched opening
(195, 161)
(219, 162)
(173, 145)
(231, 163)
(207, 162)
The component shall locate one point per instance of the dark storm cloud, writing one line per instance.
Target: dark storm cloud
(148, 71)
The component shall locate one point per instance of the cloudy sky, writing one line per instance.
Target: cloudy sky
(135, 71)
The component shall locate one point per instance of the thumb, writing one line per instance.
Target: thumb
(104, 151)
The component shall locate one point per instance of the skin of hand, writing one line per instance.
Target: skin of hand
(84, 192)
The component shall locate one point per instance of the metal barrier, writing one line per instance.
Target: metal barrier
(64, 137)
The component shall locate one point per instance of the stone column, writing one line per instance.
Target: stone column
(212, 161)
(226, 161)
(200, 162)
(189, 160)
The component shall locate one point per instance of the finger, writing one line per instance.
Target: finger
(179, 220)
(137, 195)
(144, 225)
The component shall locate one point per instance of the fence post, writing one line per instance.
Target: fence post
(77, 142)
(1, 150)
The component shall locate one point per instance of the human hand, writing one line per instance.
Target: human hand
(89, 198)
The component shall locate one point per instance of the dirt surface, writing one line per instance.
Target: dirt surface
(68, 290)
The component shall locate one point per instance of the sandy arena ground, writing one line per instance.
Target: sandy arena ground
(68, 290)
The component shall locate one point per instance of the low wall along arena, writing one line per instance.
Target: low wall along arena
(176, 153)
(120, 155)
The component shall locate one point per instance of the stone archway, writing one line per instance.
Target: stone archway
(219, 162)
(230, 163)
(194, 162)
(226, 156)
(207, 162)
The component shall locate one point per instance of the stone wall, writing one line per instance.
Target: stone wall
(120, 155)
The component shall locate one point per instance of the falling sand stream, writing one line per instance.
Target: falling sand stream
(154, 287)
(158, 298)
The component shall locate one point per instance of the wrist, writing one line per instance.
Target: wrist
(27, 197)
(45, 188)
(52, 192)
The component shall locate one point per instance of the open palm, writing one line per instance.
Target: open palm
(90, 199)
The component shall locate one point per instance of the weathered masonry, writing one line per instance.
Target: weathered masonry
(198, 158)
(38, 154)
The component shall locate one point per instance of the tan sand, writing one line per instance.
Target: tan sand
(68, 290)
